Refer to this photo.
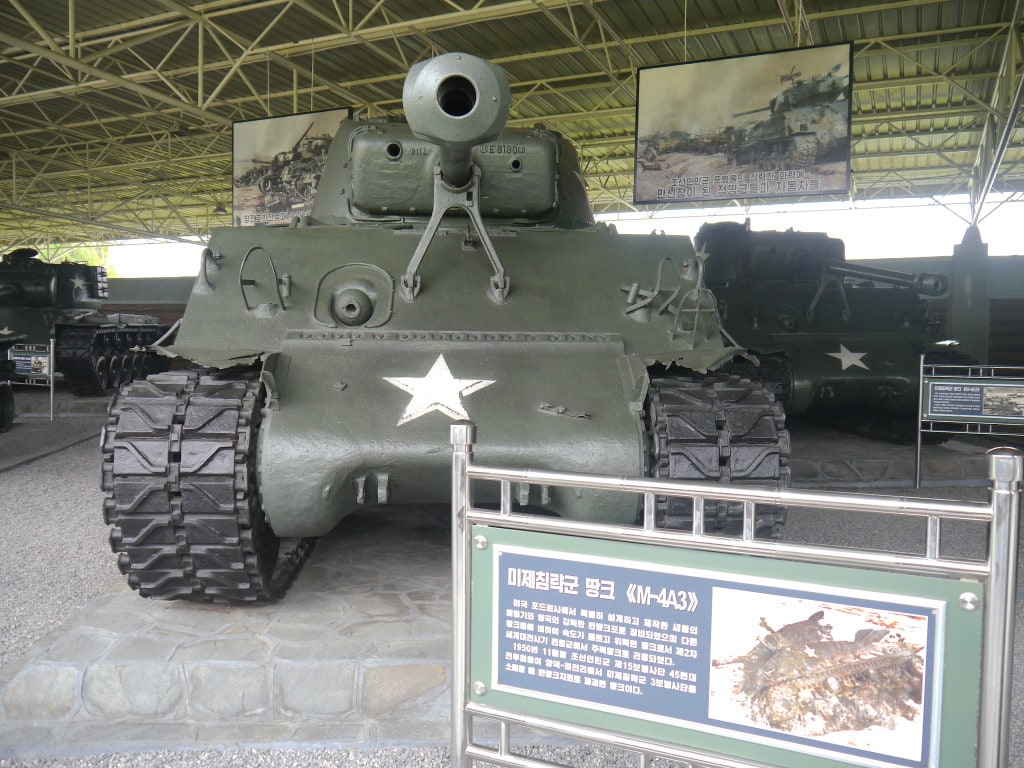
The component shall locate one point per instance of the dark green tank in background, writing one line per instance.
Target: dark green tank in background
(7, 340)
(834, 340)
(94, 351)
(450, 269)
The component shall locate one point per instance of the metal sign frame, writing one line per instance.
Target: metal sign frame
(970, 605)
(968, 399)
(48, 379)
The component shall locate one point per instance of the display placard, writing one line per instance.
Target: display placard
(970, 400)
(30, 360)
(811, 664)
(759, 126)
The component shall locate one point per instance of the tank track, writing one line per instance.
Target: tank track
(179, 476)
(720, 428)
(96, 360)
(772, 371)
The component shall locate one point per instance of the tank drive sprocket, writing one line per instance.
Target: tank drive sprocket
(179, 462)
(719, 428)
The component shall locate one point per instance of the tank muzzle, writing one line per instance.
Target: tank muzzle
(928, 284)
(456, 101)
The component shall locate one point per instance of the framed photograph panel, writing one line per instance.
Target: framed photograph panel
(276, 165)
(759, 126)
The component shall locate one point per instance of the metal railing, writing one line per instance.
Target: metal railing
(996, 573)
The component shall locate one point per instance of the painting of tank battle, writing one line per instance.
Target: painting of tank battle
(760, 126)
(277, 163)
(842, 675)
(1003, 401)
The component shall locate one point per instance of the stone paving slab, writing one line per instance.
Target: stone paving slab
(358, 652)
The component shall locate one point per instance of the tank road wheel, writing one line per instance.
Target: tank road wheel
(116, 371)
(136, 366)
(721, 428)
(6, 407)
(179, 474)
(101, 366)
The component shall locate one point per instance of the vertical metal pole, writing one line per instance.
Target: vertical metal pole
(920, 412)
(463, 434)
(53, 359)
(1005, 470)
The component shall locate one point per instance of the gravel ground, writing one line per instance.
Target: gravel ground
(43, 580)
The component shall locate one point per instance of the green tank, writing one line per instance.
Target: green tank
(94, 351)
(836, 341)
(450, 269)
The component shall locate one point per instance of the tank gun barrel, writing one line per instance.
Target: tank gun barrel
(750, 111)
(924, 283)
(456, 101)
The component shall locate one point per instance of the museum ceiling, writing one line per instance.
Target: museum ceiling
(115, 116)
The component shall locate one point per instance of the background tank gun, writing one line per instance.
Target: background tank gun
(837, 341)
(94, 351)
(334, 354)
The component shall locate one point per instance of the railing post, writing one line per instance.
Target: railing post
(917, 424)
(463, 434)
(1005, 472)
(53, 362)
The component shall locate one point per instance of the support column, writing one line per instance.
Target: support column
(969, 295)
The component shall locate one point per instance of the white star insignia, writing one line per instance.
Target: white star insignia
(78, 284)
(849, 359)
(437, 391)
(5, 331)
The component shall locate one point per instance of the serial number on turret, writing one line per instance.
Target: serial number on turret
(502, 149)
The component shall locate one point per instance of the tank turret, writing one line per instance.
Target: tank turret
(457, 103)
(834, 340)
(94, 351)
(450, 269)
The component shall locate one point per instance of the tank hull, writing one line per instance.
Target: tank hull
(559, 373)
(343, 435)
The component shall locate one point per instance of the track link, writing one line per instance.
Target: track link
(179, 474)
(720, 428)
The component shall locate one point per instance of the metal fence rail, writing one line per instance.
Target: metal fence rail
(996, 574)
